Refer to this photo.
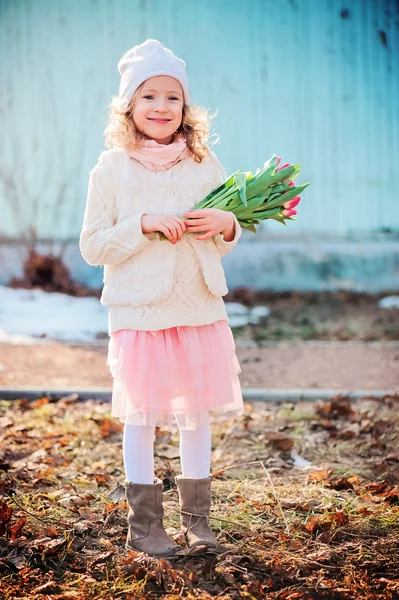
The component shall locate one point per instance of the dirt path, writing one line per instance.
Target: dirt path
(302, 365)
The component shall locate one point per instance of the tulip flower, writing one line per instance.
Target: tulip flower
(289, 212)
(292, 203)
(283, 167)
(268, 194)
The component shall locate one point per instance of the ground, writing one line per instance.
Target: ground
(300, 365)
(330, 340)
(305, 495)
(327, 531)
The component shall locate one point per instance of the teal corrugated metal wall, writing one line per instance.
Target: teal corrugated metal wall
(314, 81)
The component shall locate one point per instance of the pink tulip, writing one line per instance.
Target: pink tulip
(291, 183)
(289, 213)
(278, 159)
(283, 167)
(292, 203)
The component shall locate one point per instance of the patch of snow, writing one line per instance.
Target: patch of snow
(298, 460)
(240, 315)
(257, 313)
(236, 308)
(389, 302)
(237, 321)
(18, 339)
(28, 316)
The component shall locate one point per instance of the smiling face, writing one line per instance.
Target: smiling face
(158, 108)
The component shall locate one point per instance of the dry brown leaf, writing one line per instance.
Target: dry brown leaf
(5, 516)
(110, 426)
(338, 406)
(279, 440)
(319, 476)
(101, 478)
(15, 528)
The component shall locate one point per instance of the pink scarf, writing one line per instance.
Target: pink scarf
(160, 157)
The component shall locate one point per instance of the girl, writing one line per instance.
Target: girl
(171, 352)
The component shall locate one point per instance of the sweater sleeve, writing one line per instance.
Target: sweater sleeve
(219, 176)
(104, 241)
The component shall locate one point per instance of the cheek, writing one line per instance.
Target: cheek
(178, 112)
(139, 112)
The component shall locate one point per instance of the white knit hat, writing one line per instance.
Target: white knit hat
(147, 60)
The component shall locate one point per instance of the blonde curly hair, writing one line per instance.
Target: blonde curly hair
(196, 125)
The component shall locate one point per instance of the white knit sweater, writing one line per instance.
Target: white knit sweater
(151, 284)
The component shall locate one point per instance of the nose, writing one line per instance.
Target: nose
(161, 106)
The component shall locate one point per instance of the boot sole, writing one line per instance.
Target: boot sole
(208, 545)
(172, 553)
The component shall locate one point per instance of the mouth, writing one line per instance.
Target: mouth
(160, 120)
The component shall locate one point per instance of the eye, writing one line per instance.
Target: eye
(170, 97)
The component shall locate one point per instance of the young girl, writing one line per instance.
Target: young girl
(171, 351)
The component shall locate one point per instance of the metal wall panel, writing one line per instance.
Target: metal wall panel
(314, 81)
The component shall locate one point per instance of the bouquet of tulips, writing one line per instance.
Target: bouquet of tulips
(269, 194)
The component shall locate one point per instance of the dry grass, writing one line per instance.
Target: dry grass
(330, 530)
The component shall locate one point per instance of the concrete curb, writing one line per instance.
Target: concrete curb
(262, 394)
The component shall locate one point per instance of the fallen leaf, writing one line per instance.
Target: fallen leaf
(279, 440)
(15, 528)
(5, 515)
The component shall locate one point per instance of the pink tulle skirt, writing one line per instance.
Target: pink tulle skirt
(180, 373)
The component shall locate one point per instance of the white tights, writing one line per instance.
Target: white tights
(138, 452)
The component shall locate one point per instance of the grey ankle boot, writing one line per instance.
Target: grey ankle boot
(146, 532)
(195, 502)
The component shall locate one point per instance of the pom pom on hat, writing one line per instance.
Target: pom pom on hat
(147, 60)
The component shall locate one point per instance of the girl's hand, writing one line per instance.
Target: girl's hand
(173, 227)
(210, 220)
